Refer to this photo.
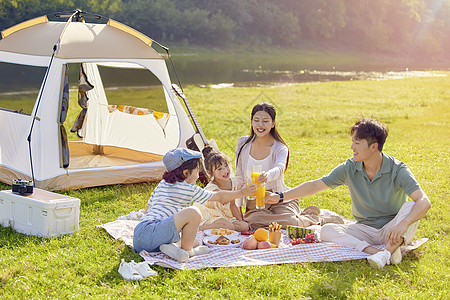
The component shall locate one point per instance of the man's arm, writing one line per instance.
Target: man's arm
(421, 206)
(303, 190)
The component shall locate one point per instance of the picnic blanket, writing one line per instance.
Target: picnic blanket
(236, 257)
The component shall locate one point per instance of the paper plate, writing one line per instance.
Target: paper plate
(230, 245)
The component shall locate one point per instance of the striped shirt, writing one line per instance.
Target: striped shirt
(169, 198)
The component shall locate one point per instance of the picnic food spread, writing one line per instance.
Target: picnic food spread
(258, 239)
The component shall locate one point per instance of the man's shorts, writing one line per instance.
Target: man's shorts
(149, 235)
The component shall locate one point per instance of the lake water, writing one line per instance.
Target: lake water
(239, 72)
(224, 71)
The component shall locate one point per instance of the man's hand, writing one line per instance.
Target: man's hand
(395, 235)
(271, 198)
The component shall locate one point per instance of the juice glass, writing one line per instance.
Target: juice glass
(260, 194)
(261, 190)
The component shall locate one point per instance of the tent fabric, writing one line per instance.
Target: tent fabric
(80, 41)
(116, 147)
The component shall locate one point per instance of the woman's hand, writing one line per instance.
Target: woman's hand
(248, 190)
(263, 177)
(271, 198)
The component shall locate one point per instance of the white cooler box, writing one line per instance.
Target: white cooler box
(42, 213)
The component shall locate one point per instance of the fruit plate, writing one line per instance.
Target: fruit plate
(232, 233)
(208, 239)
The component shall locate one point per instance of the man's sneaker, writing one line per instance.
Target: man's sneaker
(396, 257)
(379, 259)
(175, 252)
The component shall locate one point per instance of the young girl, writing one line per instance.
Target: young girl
(169, 212)
(264, 146)
(215, 214)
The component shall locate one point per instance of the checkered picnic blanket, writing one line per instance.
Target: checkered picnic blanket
(237, 257)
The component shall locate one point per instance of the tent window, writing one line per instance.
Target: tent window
(133, 87)
(19, 86)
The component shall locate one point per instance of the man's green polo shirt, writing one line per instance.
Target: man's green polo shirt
(375, 202)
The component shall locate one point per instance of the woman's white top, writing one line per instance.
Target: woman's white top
(274, 165)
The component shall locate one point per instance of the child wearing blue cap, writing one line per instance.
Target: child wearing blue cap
(169, 211)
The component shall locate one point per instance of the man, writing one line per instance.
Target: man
(379, 186)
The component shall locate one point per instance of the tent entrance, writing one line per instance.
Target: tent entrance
(83, 155)
(117, 119)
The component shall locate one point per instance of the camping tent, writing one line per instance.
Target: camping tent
(119, 143)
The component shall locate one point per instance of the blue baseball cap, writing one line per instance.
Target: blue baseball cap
(176, 157)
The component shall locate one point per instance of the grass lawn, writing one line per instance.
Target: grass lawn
(314, 119)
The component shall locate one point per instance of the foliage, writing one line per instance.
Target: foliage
(418, 28)
(314, 119)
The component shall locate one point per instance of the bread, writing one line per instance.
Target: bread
(222, 240)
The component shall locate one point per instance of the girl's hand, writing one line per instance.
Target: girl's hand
(263, 177)
(271, 198)
(248, 190)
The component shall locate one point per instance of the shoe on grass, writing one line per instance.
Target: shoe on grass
(174, 252)
(379, 259)
(128, 272)
(144, 269)
(396, 256)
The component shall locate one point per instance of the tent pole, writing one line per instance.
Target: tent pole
(35, 113)
(171, 62)
(55, 47)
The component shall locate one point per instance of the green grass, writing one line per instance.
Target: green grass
(314, 120)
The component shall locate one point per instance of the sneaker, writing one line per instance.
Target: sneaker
(174, 252)
(379, 259)
(128, 272)
(396, 256)
(144, 269)
(199, 250)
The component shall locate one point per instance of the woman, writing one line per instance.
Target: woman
(266, 147)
